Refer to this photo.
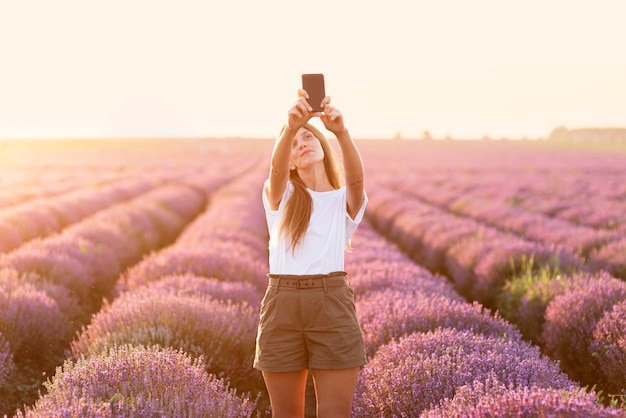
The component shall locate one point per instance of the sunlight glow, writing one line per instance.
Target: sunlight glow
(193, 68)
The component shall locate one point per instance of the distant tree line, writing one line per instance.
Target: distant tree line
(614, 135)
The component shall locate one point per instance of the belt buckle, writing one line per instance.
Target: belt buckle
(304, 284)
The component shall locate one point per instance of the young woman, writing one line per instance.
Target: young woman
(308, 320)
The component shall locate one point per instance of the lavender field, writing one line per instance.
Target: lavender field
(489, 276)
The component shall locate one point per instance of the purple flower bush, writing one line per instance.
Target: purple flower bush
(6, 360)
(44, 216)
(222, 332)
(390, 314)
(577, 239)
(248, 228)
(463, 255)
(10, 237)
(597, 213)
(165, 210)
(87, 263)
(207, 262)
(31, 219)
(384, 207)
(81, 203)
(133, 381)
(115, 235)
(409, 226)
(524, 299)
(31, 321)
(611, 258)
(215, 245)
(570, 321)
(190, 285)
(440, 236)
(533, 226)
(35, 257)
(609, 347)
(375, 264)
(493, 399)
(407, 377)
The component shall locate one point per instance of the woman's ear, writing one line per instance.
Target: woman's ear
(292, 167)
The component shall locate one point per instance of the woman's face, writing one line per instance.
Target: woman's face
(306, 150)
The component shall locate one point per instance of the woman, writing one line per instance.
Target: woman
(308, 320)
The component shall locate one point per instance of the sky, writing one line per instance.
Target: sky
(459, 69)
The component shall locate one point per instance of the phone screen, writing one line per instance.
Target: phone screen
(314, 86)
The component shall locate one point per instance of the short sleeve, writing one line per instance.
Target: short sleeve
(359, 216)
(272, 215)
(352, 224)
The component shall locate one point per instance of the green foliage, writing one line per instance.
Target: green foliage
(524, 297)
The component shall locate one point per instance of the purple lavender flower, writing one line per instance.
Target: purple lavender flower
(524, 298)
(493, 399)
(462, 256)
(441, 236)
(390, 314)
(190, 285)
(206, 262)
(611, 257)
(222, 332)
(570, 322)
(133, 381)
(30, 320)
(409, 376)
(57, 266)
(32, 219)
(6, 360)
(597, 213)
(384, 206)
(609, 347)
(375, 264)
(10, 237)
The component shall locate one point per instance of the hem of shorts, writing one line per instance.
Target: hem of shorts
(345, 365)
(279, 369)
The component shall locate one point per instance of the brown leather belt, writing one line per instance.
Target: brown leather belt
(310, 281)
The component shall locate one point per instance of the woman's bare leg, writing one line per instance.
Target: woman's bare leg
(286, 390)
(334, 390)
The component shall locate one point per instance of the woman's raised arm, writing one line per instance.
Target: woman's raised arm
(297, 117)
(352, 161)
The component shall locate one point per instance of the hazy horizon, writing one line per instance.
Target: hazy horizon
(188, 68)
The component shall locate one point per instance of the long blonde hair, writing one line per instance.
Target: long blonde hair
(298, 208)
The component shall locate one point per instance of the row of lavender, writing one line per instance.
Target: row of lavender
(28, 183)
(572, 199)
(48, 215)
(35, 170)
(542, 274)
(178, 337)
(56, 206)
(601, 248)
(50, 286)
(185, 317)
(433, 354)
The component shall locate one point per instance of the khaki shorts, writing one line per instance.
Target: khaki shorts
(304, 324)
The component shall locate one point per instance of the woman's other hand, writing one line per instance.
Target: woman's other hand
(331, 117)
(301, 111)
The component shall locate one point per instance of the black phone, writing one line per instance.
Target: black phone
(314, 86)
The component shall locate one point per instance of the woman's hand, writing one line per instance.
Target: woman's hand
(332, 117)
(301, 111)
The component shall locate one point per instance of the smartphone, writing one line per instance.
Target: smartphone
(314, 86)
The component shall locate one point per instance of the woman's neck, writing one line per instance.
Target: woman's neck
(315, 179)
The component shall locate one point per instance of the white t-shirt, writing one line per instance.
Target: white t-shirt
(322, 249)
